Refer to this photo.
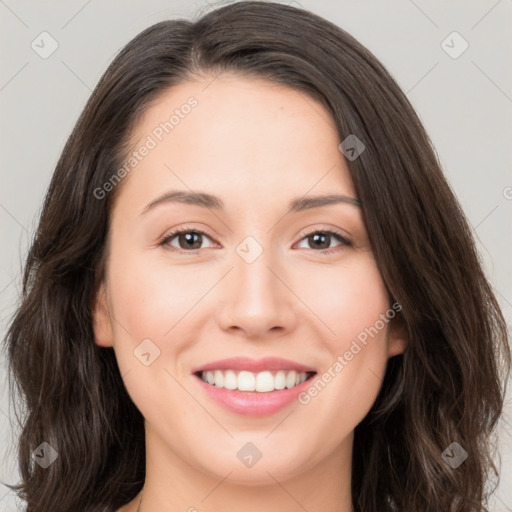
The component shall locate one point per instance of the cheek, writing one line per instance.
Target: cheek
(151, 296)
(150, 301)
(149, 304)
(346, 298)
(352, 306)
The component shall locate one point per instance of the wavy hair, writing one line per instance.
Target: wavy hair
(445, 388)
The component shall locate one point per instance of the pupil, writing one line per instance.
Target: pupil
(316, 237)
(190, 241)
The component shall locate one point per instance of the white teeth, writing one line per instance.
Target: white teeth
(262, 382)
(280, 380)
(246, 381)
(290, 379)
(219, 378)
(230, 380)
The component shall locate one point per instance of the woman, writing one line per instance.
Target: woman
(335, 345)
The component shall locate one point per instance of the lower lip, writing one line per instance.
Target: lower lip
(252, 403)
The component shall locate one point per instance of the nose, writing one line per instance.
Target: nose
(256, 300)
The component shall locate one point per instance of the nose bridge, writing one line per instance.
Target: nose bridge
(255, 299)
(256, 284)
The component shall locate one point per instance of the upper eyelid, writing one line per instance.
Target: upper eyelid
(327, 230)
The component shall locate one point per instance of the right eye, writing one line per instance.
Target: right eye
(188, 239)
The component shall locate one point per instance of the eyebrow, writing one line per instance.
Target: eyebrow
(215, 203)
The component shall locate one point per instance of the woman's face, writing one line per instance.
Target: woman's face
(258, 284)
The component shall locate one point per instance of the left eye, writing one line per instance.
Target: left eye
(190, 240)
(321, 238)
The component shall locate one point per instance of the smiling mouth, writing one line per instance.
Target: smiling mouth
(261, 382)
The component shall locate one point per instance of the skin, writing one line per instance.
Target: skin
(257, 146)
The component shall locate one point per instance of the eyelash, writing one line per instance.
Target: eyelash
(341, 238)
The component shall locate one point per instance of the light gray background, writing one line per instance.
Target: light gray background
(465, 104)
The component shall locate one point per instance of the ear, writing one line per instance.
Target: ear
(397, 338)
(102, 325)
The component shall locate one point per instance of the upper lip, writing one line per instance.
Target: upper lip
(254, 365)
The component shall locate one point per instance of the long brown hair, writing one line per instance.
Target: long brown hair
(446, 388)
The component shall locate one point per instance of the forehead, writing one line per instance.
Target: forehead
(245, 137)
